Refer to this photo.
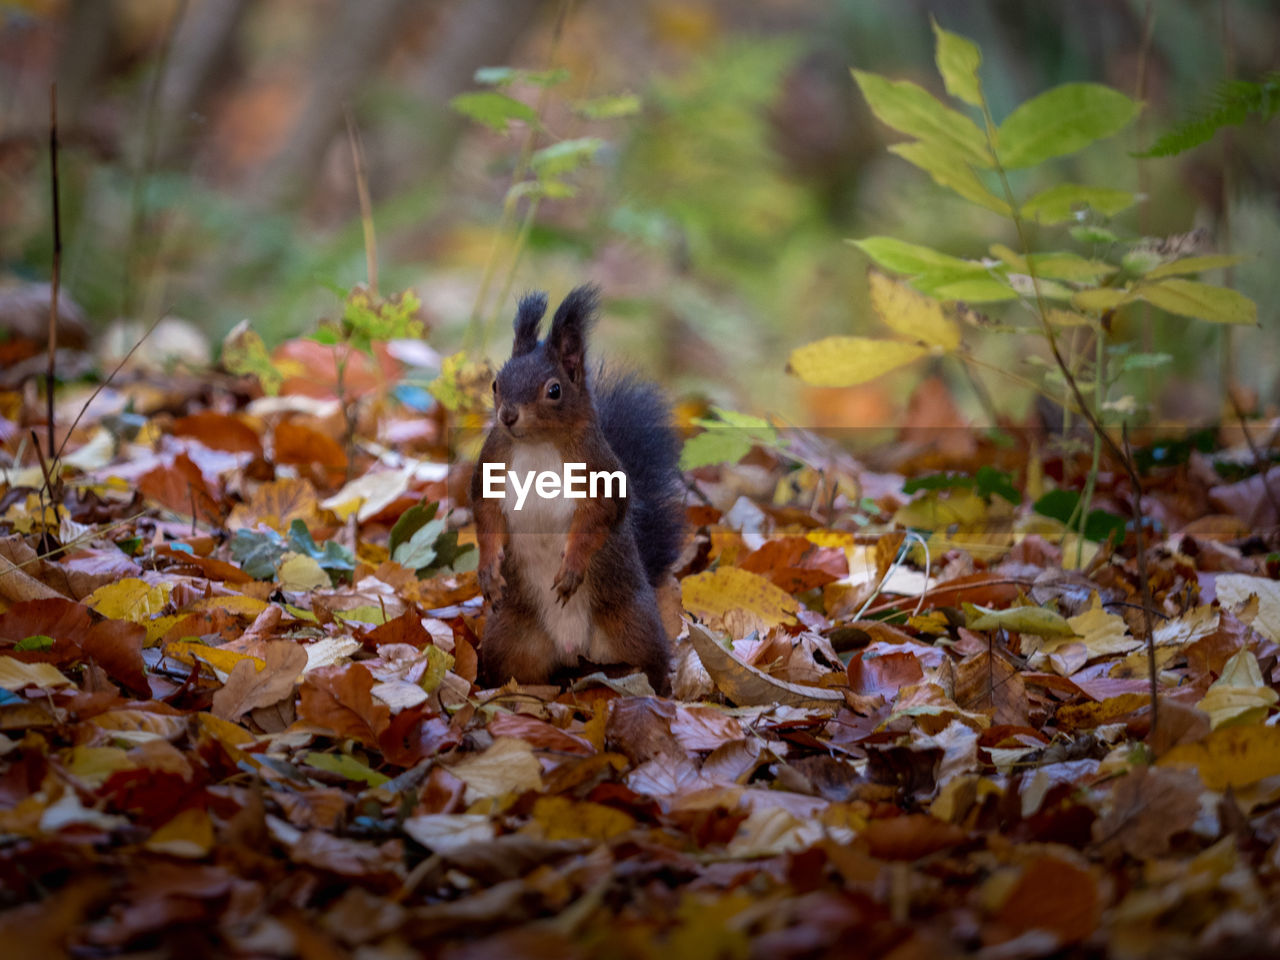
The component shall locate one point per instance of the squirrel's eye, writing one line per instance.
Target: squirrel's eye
(495, 386)
(553, 390)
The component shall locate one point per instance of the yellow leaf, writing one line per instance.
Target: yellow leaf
(189, 834)
(1040, 621)
(223, 660)
(1240, 695)
(130, 599)
(1203, 301)
(715, 593)
(1234, 590)
(1103, 633)
(1188, 628)
(564, 819)
(912, 313)
(507, 766)
(1100, 300)
(1215, 261)
(238, 605)
(936, 511)
(15, 674)
(298, 572)
(1069, 318)
(94, 764)
(1230, 756)
(845, 361)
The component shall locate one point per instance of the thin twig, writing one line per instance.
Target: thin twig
(366, 206)
(103, 385)
(51, 375)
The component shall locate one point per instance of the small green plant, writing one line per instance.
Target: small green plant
(539, 173)
(1045, 294)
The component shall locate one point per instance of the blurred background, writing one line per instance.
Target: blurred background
(207, 171)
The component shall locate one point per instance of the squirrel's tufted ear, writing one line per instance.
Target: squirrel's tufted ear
(528, 317)
(568, 338)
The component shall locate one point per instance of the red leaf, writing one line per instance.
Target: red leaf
(117, 646)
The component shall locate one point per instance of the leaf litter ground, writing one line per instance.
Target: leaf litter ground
(238, 713)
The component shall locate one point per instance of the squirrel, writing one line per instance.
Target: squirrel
(573, 577)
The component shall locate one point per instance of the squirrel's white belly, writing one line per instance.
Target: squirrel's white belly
(538, 533)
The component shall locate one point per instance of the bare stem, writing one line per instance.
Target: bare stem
(366, 206)
(56, 280)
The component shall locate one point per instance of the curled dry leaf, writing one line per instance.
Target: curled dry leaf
(747, 686)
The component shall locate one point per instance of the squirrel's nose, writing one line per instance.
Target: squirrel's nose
(508, 415)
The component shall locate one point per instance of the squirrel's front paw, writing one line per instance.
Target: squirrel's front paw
(566, 583)
(492, 583)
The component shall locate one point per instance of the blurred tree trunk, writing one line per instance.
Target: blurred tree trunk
(202, 45)
(361, 33)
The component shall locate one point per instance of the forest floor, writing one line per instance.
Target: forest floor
(238, 710)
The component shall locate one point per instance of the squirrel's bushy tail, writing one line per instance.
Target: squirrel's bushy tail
(636, 421)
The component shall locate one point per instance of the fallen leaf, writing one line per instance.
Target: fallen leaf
(714, 595)
(249, 686)
(341, 699)
(508, 766)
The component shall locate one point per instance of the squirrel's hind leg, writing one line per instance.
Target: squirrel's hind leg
(514, 644)
(636, 636)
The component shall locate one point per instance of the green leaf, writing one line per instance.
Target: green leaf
(1091, 235)
(412, 520)
(912, 110)
(949, 172)
(1059, 204)
(1231, 104)
(1195, 265)
(845, 361)
(494, 110)
(243, 352)
(909, 258)
(1145, 361)
(1060, 121)
(608, 108)
(419, 551)
(1101, 300)
(258, 552)
(347, 766)
(1061, 505)
(713, 446)
(984, 289)
(564, 157)
(542, 189)
(728, 438)
(334, 559)
(992, 481)
(36, 642)
(958, 60)
(1190, 298)
(1054, 266)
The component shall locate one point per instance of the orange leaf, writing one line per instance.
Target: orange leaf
(339, 699)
